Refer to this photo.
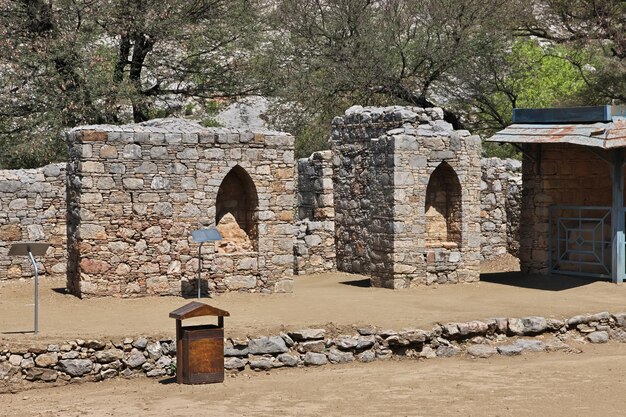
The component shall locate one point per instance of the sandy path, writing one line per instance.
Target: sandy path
(544, 384)
(317, 300)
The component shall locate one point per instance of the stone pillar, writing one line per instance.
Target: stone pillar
(383, 160)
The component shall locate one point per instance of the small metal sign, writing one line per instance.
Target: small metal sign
(22, 248)
(201, 236)
(206, 235)
(31, 249)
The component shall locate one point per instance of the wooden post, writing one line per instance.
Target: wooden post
(179, 352)
(617, 218)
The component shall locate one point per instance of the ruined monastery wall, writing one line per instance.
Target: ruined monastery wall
(137, 192)
(315, 228)
(500, 202)
(32, 208)
(407, 193)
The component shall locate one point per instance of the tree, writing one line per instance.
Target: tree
(70, 62)
(331, 54)
(529, 75)
(595, 31)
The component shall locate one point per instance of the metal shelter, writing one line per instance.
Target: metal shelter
(583, 239)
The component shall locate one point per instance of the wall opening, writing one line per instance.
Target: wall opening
(236, 212)
(443, 208)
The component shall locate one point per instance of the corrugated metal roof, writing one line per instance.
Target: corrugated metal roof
(601, 135)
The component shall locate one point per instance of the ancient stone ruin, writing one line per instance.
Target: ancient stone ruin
(32, 208)
(315, 229)
(407, 197)
(389, 200)
(135, 193)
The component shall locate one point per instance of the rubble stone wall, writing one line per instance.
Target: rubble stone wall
(315, 227)
(500, 202)
(136, 192)
(94, 360)
(32, 208)
(383, 160)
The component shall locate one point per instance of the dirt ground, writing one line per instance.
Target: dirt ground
(333, 300)
(590, 384)
(552, 384)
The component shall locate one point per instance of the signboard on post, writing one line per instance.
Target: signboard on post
(201, 236)
(31, 249)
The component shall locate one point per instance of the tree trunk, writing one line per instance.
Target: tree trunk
(142, 46)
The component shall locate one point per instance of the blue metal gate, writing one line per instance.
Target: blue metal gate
(580, 241)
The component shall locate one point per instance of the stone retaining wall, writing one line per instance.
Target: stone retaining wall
(32, 208)
(94, 360)
(86, 361)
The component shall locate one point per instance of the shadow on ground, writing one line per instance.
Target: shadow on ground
(361, 283)
(537, 282)
(168, 381)
(20, 332)
(515, 279)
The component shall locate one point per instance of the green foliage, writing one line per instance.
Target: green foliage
(328, 55)
(543, 77)
(528, 76)
(210, 122)
(501, 150)
(595, 33)
(71, 62)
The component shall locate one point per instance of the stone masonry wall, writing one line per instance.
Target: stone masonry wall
(32, 208)
(500, 201)
(42, 192)
(136, 192)
(315, 246)
(384, 159)
(315, 227)
(562, 174)
(78, 360)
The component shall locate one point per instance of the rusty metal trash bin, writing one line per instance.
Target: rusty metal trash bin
(199, 348)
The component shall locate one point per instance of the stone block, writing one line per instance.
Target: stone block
(307, 334)
(47, 360)
(481, 351)
(92, 231)
(238, 282)
(267, 345)
(75, 367)
(93, 136)
(284, 286)
(132, 151)
(315, 359)
(10, 232)
(108, 152)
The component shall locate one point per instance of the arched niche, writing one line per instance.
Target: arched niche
(443, 211)
(237, 195)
